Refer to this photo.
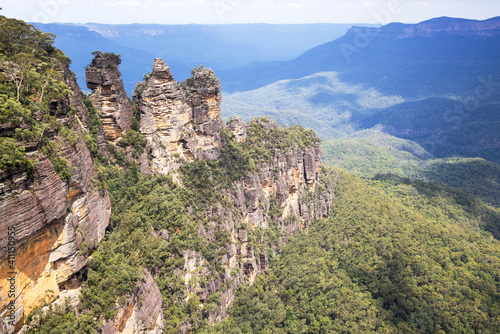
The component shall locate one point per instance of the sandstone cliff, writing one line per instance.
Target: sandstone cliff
(59, 220)
(180, 122)
(109, 97)
(57, 224)
(143, 314)
(284, 195)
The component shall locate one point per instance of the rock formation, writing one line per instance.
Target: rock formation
(180, 122)
(143, 313)
(238, 128)
(59, 223)
(289, 184)
(56, 225)
(109, 97)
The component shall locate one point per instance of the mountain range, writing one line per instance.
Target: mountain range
(220, 47)
(152, 214)
(436, 83)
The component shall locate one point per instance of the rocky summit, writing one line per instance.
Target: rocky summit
(179, 121)
(109, 97)
(61, 210)
(153, 215)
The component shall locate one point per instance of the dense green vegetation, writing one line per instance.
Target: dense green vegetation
(367, 153)
(143, 206)
(478, 177)
(31, 89)
(403, 258)
(322, 102)
(395, 255)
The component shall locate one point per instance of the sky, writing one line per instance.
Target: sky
(245, 11)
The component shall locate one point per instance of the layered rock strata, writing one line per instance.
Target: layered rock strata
(143, 313)
(180, 122)
(290, 185)
(109, 97)
(48, 226)
(56, 225)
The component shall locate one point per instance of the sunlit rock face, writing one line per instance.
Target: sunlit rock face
(290, 183)
(181, 122)
(109, 97)
(57, 224)
(143, 312)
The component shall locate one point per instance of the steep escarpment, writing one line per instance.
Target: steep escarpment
(285, 192)
(444, 26)
(219, 204)
(109, 97)
(184, 244)
(180, 122)
(143, 313)
(51, 216)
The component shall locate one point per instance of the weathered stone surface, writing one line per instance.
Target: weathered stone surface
(143, 313)
(109, 97)
(144, 163)
(242, 235)
(75, 98)
(164, 234)
(238, 128)
(27, 205)
(46, 212)
(180, 122)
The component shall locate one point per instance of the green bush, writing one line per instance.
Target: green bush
(12, 156)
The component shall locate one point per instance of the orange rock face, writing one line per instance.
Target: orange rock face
(49, 219)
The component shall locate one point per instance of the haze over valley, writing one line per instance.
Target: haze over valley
(234, 176)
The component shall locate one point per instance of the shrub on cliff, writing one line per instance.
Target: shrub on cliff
(32, 89)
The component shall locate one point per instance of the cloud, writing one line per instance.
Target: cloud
(183, 4)
(294, 5)
(128, 3)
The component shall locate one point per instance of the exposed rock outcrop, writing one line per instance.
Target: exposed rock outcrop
(180, 122)
(286, 194)
(238, 128)
(54, 224)
(109, 97)
(143, 313)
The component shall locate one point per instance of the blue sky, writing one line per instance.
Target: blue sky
(245, 11)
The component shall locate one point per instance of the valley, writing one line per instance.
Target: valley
(322, 186)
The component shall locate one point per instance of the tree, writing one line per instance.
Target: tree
(20, 70)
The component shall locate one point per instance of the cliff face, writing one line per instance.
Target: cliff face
(49, 222)
(179, 122)
(282, 196)
(143, 314)
(442, 26)
(109, 96)
(56, 223)
(59, 219)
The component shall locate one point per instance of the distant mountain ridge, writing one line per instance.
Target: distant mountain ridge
(384, 57)
(442, 26)
(187, 46)
(443, 76)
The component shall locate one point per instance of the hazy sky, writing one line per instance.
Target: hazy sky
(245, 11)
